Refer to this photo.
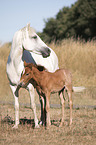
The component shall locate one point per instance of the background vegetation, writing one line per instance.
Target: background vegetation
(77, 21)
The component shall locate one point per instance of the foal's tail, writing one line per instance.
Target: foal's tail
(78, 89)
(74, 89)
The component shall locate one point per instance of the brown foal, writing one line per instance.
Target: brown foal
(47, 83)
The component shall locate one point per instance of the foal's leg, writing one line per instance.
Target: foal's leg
(48, 109)
(32, 101)
(63, 105)
(69, 88)
(16, 106)
(71, 106)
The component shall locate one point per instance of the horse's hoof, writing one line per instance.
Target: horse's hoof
(40, 123)
(37, 126)
(15, 127)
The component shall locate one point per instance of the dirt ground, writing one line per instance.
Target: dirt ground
(82, 131)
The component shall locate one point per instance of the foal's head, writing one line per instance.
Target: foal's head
(28, 73)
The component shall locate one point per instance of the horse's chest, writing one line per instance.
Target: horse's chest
(14, 72)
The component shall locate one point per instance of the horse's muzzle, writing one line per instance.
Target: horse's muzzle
(21, 84)
(45, 52)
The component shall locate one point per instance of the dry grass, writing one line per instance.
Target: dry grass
(80, 58)
(77, 56)
(4, 87)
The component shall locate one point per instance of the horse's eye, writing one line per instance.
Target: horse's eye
(34, 37)
(27, 74)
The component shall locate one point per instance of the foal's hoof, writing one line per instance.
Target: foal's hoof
(15, 127)
(70, 124)
(61, 124)
(47, 127)
(41, 122)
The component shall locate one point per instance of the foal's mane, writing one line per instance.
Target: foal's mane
(39, 67)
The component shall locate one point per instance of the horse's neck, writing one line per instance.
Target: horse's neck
(16, 58)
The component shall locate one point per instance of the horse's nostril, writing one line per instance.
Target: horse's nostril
(49, 51)
(45, 52)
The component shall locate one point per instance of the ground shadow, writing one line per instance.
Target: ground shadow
(23, 121)
(7, 119)
(55, 122)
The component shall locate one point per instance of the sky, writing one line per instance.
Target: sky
(15, 14)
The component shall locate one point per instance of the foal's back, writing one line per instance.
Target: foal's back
(54, 82)
(58, 75)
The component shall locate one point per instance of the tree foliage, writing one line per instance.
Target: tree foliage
(77, 21)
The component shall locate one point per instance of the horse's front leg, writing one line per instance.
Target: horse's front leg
(42, 110)
(16, 106)
(32, 101)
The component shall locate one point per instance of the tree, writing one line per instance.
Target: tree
(77, 21)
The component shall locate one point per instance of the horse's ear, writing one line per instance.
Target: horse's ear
(25, 64)
(28, 26)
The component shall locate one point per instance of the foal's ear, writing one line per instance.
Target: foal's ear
(25, 64)
(29, 65)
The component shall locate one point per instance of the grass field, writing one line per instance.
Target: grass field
(80, 58)
(82, 131)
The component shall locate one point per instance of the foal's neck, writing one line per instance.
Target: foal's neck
(37, 75)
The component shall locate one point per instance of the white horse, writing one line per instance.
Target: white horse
(28, 46)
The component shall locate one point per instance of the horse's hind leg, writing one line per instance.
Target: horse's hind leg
(32, 101)
(16, 107)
